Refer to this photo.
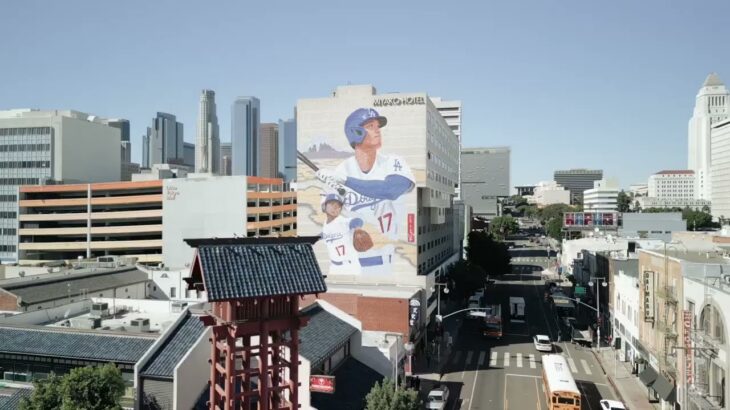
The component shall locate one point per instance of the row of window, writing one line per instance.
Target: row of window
(7, 248)
(8, 231)
(25, 131)
(25, 164)
(8, 215)
(8, 198)
(19, 181)
(24, 147)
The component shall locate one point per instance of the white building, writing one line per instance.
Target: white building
(711, 106)
(207, 145)
(721, 170)
(639, 189)
(602, 198)
(44, 147)
(674, 184)
(548, 193)
(646, 202)
(625, 306)
(451, 111)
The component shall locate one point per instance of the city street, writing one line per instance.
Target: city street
(506, 374)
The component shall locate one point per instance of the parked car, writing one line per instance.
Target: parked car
(542, 343)
(437, 398)
(612, 405)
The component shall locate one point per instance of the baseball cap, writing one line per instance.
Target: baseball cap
(331, 197)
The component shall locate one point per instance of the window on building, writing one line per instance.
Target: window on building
(173, 292)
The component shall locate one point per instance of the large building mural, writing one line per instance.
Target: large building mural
(360, 163)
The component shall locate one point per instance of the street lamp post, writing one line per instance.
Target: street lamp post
(437, 287)
(604, 283)
(408, 348)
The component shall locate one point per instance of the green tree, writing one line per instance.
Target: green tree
(637, 206)
(554, 211)
(698, 219)
(384, 396)
(624, 202)
(490, 255)
(46, 394)
(554, 228)
(84, 388)
(502, 226)
(466, 278)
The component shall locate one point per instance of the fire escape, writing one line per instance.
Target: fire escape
(667, 325)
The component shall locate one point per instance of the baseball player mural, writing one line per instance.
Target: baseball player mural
(371, 184)
(343, 237)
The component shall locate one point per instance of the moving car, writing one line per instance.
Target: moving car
(437, 398)
(612, 405)
(542, 343)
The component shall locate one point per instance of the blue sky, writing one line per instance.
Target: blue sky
(565, 83)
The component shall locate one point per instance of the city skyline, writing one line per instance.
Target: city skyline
(586, 86)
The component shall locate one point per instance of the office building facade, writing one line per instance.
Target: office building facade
(712, 105)
(451, 111)
(207, 145)
(603, 197)
(720, 171)
(288, 150)
(164, 142)
(548, 193)
(675, 184)
(245, 122)
(485, 178)
(43, 147)
(577, 181)
(226, 159)
(268, 150)
(148, 219)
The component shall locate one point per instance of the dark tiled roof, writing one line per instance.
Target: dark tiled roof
(12, 401)
(254, 270)
(77, 345)
(353, 381)
(40, 289)
(323, 335)
(167, 356)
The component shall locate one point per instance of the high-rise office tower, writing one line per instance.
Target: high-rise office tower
(451, 111)
(269, 150)
(288, 150)
(207, 146)
(245, 121)
(485, 178)
(577, 181)
(163, 143)
(128, 167)
(226, 158)
(712, 105)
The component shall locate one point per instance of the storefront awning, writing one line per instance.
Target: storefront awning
(648, 376)
(664, 389)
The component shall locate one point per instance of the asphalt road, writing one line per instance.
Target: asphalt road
(488, 374)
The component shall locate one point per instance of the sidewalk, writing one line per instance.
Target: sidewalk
(427, 365)
(627, 386)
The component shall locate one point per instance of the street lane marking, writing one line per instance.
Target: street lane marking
(506, 359)
(523, 375)
(456, 357)
(469, 356)
(482, 355)
(571, 363)
(532, 361)
(519, 359)
(493, 359)
(585, 366)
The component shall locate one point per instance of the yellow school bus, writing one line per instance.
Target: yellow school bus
(560, 389)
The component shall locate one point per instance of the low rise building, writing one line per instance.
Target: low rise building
(549, 193)
(651, 225)
(603, 197)
(675, 184)
(624, 306)
(149, 219)
(646, 202)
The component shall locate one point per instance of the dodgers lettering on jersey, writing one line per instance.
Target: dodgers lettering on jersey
(381, 213)
(337, 236)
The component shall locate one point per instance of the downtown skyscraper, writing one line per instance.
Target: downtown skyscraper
(245, 121)
(163, 143)
(207, 147)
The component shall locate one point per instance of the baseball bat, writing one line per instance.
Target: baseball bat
(314, 168)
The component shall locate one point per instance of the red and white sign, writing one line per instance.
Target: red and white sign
(407, 367)
(322, 384)
(411, 227)
(688, 368)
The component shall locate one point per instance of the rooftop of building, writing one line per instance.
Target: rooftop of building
(10, 397)
(234, 268)
(675, 172)
(579, 171)
(177, 344)
(712, 80)
(121, 315)
(37, 113)
(323, 335)
(485, 150)
(70, 283)
(676, 251)
(381, 290)
(74, 343)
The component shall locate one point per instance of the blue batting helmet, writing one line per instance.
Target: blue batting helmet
(353, 124)
(331, 197)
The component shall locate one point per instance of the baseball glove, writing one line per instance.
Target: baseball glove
(361, 240)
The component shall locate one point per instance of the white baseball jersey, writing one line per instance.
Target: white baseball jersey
(337, 236)
(381, 214)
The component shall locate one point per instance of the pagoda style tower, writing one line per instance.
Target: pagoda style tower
(254, 286)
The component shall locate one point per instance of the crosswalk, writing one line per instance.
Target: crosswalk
(514, 360)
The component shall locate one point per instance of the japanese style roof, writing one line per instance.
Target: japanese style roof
(37, 289)
(323, 335)
(240, 268)
(170, 353)
(12, 399)
(69, 344)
